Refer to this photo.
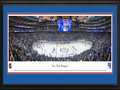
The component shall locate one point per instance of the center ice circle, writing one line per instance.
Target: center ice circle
(64, 49)
(61, 49)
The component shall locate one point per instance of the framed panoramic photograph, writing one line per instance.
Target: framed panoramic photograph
(60, 44)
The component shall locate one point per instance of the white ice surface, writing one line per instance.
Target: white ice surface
(57, 49)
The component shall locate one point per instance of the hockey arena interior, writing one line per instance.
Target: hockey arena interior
(38, 38)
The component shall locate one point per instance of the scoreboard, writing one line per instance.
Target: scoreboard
(64, 24)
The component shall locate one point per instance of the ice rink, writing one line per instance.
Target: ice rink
(61, 49)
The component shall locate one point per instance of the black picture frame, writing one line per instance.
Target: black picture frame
(55, 3)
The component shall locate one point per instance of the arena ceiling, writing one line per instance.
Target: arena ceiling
(74, 18)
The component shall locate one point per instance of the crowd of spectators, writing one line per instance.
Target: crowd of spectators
(20, 45)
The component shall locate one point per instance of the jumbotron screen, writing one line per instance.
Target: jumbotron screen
(64, 24)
